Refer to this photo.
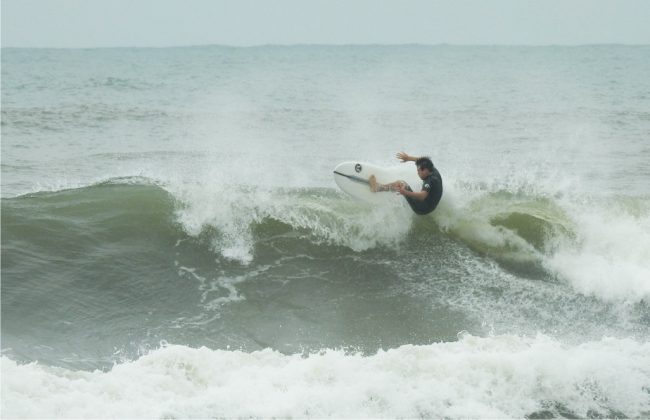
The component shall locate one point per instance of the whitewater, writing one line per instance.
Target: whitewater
(174, 245)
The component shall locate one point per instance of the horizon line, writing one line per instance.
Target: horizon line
(289, 45)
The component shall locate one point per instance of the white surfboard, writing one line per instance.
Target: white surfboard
(352, 177)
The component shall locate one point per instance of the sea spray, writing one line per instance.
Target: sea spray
(609, 257)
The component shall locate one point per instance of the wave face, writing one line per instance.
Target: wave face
(162, 252)
(174, 246)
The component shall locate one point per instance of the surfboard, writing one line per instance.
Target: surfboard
(352, 177)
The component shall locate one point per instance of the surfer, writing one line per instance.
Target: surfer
(424, 201)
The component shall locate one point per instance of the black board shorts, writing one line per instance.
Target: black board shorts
(426, 206)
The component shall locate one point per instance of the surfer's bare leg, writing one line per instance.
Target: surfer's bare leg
(377, 187)
(372, 181)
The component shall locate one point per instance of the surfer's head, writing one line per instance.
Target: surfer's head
(425, 167)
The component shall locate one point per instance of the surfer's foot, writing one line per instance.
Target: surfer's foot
(374, 187)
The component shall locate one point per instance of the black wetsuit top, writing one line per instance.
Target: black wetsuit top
(432, 184)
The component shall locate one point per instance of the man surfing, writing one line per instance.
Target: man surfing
(424, 201)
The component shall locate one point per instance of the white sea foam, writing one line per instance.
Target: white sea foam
(234, 211)
(494, 377)
(600, 246)
(610, 256)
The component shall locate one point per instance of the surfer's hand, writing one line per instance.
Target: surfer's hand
(403, 157)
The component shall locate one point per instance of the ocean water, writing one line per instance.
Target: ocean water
(174, 245)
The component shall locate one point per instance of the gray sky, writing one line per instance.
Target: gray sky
(110, 23)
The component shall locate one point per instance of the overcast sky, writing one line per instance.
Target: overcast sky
(110, 23)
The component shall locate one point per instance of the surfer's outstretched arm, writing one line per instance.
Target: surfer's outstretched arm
(405, 157)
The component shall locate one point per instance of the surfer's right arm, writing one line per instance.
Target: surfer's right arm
(404, 157)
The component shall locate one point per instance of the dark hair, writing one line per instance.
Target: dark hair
(424, 163)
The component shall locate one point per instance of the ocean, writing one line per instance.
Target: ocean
(174, 244)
